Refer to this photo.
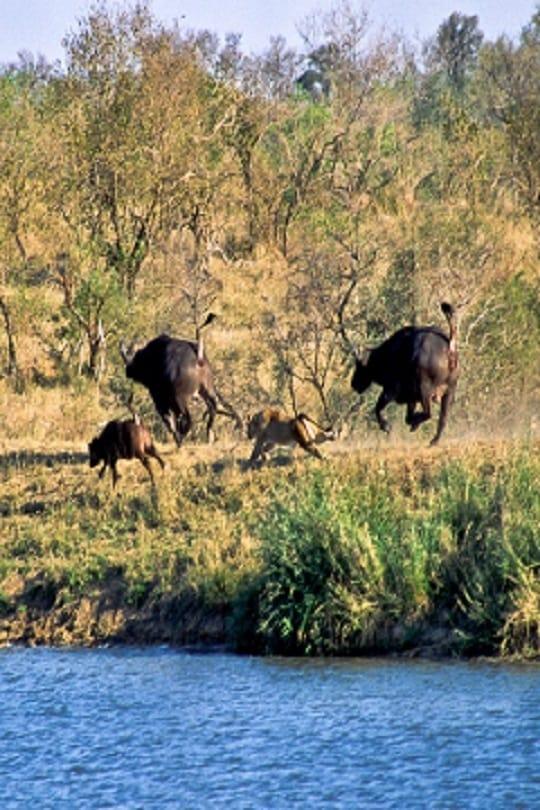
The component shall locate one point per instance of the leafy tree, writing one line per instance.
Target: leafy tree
(163, 173)
(293, 154)
(454, 50)
(510, 89)
(23, 91)
(139, 125)
(94, 305)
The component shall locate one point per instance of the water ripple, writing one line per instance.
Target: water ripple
(132, 729)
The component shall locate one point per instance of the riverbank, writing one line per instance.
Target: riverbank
(376, 550)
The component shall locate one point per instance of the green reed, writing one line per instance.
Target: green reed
(371, 562)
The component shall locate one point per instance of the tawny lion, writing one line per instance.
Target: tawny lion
(271, 427)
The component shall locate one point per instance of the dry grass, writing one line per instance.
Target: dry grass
(70, 544)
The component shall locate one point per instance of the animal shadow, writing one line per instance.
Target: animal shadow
(278, 460)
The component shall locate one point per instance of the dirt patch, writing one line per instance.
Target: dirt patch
(41, 617)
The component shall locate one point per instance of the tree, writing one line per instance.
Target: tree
(139, 126)
(509, 85)
(94, 306)
(306, 348)
(23, 92)
(291, 162)
(455, 48)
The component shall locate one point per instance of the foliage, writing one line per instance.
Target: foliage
(342, 190)
(455, 47)
(357, 565)
(160, 174)
(400, 551)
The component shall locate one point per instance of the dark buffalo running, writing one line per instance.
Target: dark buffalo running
(175, 372)
(417, 365)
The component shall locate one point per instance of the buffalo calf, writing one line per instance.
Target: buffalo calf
(123, 440)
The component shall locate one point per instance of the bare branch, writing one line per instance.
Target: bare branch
(341, 328)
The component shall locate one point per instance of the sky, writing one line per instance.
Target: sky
(38, 26)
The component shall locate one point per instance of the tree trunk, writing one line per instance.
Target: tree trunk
(12, 367)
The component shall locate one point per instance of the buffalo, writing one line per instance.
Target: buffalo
(123, 440)
(416, 365)
(176, 372)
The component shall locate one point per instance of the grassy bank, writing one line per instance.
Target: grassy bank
(380, 550)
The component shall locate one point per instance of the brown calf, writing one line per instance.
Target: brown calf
(123, 440)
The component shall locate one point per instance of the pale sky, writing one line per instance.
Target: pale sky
(38, 26)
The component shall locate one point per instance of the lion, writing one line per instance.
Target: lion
(271, 427)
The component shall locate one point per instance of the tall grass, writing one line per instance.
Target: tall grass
(356, 563)
(396, 552)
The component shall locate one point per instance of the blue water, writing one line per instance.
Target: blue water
(158, 728)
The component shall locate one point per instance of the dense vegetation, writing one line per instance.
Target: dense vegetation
(306, 197)
(412, 551)
(159, 173)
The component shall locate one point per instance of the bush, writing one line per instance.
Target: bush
(350, 565)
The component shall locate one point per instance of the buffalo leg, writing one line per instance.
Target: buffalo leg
(382, 402)
(260, 448)
(211, 405)
(146, 464)
(169, 420)
(267, 447)
(443, 416)
(154, 453)
(115, 475)
(183, 425)
(418, 418)
(410, 417)
(177, 424)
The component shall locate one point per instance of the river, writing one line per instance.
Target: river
(160, 728)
